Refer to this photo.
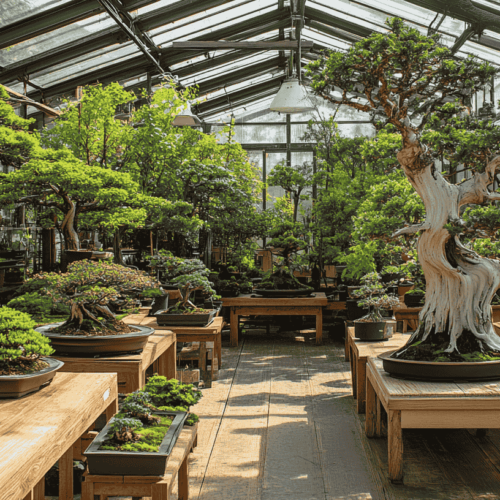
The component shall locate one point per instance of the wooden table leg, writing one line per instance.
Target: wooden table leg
(346, 347)
(87, 490)
(183, 478)
(361, 384)
(218, 343)
(167, 362)
(378, 425)
(112, 410)
(319, 327)
(159, 491)
(233, 320)
(39, 490)
(371, 410)
(395, 439)
(66, 476)
(354, 375)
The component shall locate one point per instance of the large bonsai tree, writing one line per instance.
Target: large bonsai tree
(88, 288)
(406, 77)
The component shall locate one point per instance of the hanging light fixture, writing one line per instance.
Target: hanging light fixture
(291, 97)
(186, 118)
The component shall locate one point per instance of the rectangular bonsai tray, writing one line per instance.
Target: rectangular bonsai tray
(164, 318)
(134, 463)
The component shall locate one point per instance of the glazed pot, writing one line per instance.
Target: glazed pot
(166, 318)
(405, 287)
(414, 300)
(135, 463)
(105, 345)
(17, 386)
(365, 330)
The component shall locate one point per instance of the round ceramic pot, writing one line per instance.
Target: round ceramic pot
(105, 345)
(405, 287)
(17, 386)
(364, 330)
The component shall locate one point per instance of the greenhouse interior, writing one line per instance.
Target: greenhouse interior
(249, 249)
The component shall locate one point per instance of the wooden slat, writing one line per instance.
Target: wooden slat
(245, 300)
(450, 419)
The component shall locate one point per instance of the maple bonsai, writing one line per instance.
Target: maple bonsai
(88, 288)
(410, 81)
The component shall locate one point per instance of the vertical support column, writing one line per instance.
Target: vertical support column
(264, 189)
(233, 320)
(288, 140)
(39, 490)
(361, 385)
(112, 409)
(371, 409)
(319, 326)
(183, 478)
(395, 438)
(66, 475)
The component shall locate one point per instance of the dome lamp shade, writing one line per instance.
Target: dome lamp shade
(291, 98)
(186, 118)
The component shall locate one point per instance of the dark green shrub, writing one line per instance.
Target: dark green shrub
(20, 345)
(171, 393)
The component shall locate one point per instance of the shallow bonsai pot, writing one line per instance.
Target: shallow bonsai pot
(229, 293)
(414, 300)
(364, 330)
(283, 294)
(17, 386)
(107, 345)
(135, 463)
(429, 370)
(168, 286)
(164, 318)
(159, 304)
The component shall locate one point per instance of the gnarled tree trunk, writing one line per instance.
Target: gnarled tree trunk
(460, 283)
(71, 240)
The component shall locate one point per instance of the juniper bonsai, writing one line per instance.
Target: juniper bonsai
(404, 78)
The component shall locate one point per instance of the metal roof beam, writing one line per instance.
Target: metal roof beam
(335, 22)
(104, 38)
(267, 45)
(51, 19)
(335, 32)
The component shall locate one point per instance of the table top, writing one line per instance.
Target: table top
(141, 319)
(35, 431)
(157, 344)
(367, 348)
(247, 300)
(421, 391)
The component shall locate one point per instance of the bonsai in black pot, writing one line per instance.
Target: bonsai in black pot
(24, 367)
(373, 297)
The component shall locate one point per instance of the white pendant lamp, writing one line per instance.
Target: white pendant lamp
(291, 97)
(186, 118)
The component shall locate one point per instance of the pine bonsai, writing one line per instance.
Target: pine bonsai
(409, 80)
(88, 288)
(20, 346)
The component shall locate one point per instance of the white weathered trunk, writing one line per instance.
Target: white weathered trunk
(460, 284)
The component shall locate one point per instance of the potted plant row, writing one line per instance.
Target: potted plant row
(139, 439)
(89, 289)
(24, 365)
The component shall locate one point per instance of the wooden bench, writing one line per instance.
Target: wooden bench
(154, 487)
(409, 317)
(160, 351)
(413, 404)
(49, 426)
(359, 352)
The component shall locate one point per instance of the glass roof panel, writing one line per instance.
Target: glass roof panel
(12, 11)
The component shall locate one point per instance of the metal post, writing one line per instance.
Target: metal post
(264, 189)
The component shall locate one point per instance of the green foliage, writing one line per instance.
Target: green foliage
(38, 305)
(20, 345)
(166, 392)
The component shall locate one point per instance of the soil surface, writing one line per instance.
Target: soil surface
(117, 328)
(23, 368)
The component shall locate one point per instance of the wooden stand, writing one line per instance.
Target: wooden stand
(154, 487)
(245, 305)
(49, 426)
(359, 352)
(160, 351)
(409, 317)
(336, 306)
(412, 404)
(210, 333)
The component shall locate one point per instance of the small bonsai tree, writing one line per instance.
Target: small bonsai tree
(192, 275)
(168, 395)
(123, 429)
(88, 288)
(373, 297)
(20, 346)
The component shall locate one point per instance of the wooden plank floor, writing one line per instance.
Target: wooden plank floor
(280, 423)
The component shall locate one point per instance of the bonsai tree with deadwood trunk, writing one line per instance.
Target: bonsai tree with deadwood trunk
(88, 288)
(405, 77)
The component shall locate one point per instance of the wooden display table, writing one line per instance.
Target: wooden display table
(160, 351)
(154, 487)
(210, 333)
(359, 352)
(246, 305)
(409, 317)
(411, 404)
(38, 430)
(336, 306)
